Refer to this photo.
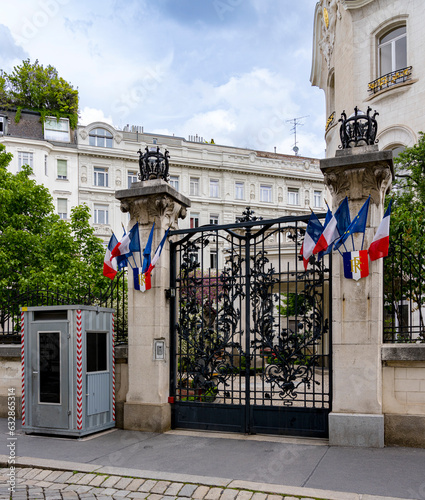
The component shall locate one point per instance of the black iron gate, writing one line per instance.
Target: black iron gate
(250, 330)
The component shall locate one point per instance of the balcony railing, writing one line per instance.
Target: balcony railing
(390, 79)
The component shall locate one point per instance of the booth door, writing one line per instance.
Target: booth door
(50, 355)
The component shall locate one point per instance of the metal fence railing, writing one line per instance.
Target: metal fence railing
(12, 299)
(404, 295)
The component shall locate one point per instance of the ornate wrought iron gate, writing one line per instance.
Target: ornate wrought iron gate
(250, 330)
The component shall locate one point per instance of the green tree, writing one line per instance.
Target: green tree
(36, 246)
(32, 86)
(404, 271)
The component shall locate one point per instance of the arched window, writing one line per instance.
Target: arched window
(100, 137)
(392, 50)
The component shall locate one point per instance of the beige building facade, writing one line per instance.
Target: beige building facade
(369, 53)
(221, 181)
(89, 164)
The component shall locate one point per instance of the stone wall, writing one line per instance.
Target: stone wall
(403, 396)
(10, 377)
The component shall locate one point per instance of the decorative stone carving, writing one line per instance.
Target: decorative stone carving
(83, 134)
(118, 138)
(358, 182)
(146, 210)
(83, 174)
(330, 14)
(118, 177)
(252, 192)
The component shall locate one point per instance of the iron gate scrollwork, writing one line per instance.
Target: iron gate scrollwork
(250, 330)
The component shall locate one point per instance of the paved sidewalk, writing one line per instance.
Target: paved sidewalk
(223, 464)
(73, 481)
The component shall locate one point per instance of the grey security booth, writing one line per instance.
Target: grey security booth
(68, 370)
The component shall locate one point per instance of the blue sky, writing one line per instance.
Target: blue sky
(232, 70)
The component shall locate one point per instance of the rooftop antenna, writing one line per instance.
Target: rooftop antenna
(295, 123)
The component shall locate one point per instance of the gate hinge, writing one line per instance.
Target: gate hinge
(170, 292)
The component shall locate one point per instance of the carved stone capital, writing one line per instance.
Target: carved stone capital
(358, 176)
(153, 201)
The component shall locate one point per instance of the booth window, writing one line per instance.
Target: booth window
(49, 367)
(96, 352)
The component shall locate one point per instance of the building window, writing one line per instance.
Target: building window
(213, 188)
(239, 191)
(214, 220)
(392, 51)
(194, 220)
(63, 208)
(56, 130)
(194, 186)
(46, 171)
(174, 182)
(3, 125)
(101, 177)
(101, 214)
(100, 137)
(213, 259)
(317, 199)
(25, 158)
(132, 177)
(293, 197)
(266, 193)
(62, 169)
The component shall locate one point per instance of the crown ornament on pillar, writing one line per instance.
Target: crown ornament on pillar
(359, 129)
(153, 164)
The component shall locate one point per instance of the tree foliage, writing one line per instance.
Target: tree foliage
(404, 270)
(37, 248)
(32, 86)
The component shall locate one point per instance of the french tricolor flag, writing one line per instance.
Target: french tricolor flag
(329, 235)
(142, 276)
(312, 235)
(109, 263)
(129, 243)
(381, 242)
(158, 252)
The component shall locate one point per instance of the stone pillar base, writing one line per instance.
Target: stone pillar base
(147, 417)
(405, 430)
(352, 429)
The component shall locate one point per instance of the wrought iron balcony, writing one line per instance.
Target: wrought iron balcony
(390, 79)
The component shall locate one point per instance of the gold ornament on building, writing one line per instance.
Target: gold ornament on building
(326, 17)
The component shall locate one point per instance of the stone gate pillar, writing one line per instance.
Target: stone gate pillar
(146, 407)
(357, 306)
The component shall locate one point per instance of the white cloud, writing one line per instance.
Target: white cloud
(237, 80)
(90, 115)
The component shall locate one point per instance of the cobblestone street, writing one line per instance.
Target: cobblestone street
(34, 483)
